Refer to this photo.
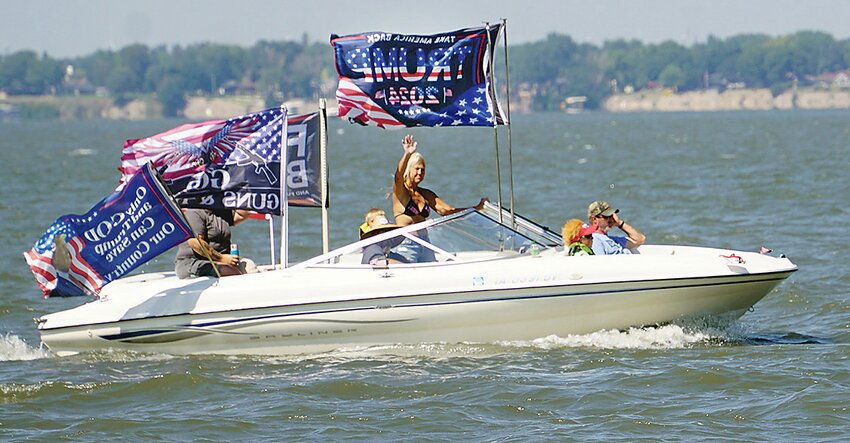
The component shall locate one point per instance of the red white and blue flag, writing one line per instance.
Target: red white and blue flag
(232, 163)
(397, 80)
(190, 148)
(235, 163)
(79, 254)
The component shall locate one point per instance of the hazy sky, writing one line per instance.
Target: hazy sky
(67, 28)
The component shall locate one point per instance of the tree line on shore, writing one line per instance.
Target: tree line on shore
(547, 71)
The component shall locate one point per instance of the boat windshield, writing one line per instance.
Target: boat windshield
(540, 234)
(474, 232)
(466, 236)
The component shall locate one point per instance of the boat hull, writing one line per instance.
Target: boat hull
(481, 313)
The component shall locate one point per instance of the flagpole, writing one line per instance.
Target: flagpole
(284, 192)
(323, 128)
(508, 102)
(495, 123)
(270, 218)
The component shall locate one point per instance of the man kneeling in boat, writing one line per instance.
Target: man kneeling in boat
(195, 257)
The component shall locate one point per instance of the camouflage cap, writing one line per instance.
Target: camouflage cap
(600, 207)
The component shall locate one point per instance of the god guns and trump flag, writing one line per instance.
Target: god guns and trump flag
(397, 80)
(80, 253)
(235, 163)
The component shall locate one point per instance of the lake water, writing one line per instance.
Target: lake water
(733, 180)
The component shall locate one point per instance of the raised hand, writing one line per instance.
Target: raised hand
(409, 144)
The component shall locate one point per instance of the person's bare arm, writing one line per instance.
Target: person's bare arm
(409, 146)
(635, 237)
(444, 208)
(202, 248)
(240, 215)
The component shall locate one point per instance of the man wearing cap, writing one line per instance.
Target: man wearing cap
(601, 214)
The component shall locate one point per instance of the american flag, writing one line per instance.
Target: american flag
(263, 140)
(472, 108)
(190, 148)
(358, 106)
(40, 258)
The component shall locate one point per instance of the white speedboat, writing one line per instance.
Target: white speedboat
(487, 282)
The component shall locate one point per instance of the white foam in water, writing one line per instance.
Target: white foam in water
(12, 348)
(82, 152)
(664, 337)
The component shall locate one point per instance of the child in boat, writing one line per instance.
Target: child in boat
(578, 236)
(378, 253)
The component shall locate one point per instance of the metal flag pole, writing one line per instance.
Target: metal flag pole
(323, 129)
(270, 218)
(489, 60)
(510, 144)
(284, 192)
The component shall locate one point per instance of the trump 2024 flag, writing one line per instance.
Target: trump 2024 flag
(399, 80)
(79, 254)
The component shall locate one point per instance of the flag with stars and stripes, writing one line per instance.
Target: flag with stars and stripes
(79, 254)
(191, 148)
(398, 80)
(233, 163)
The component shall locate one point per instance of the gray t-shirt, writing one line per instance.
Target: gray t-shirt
(213, 225)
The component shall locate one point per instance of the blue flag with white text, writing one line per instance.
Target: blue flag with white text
(79, 254)
(397, 80)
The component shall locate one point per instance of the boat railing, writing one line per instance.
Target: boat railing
(333, 256)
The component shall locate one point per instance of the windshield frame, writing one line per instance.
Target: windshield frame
(327, 260)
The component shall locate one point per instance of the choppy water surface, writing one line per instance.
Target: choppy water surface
(736, 180)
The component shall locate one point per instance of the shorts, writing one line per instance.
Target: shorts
(191, 268)
(414, 252)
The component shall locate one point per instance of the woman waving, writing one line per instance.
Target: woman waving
(412, 203)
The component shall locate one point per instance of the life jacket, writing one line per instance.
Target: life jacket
(579, 248)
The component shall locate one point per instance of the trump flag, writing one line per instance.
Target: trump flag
(398, 80)
(79, 254)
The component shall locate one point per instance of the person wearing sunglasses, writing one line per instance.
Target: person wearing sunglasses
(578, 236)
(605, 217)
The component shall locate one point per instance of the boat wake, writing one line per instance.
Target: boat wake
(671, 336)
(662, 337)
(12, 348)
(688, 334)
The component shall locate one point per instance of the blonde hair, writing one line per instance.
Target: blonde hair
(372, 213)
(570, 230)
(414, 159)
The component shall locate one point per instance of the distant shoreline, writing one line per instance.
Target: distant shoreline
(729, 100)
(205, 108)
